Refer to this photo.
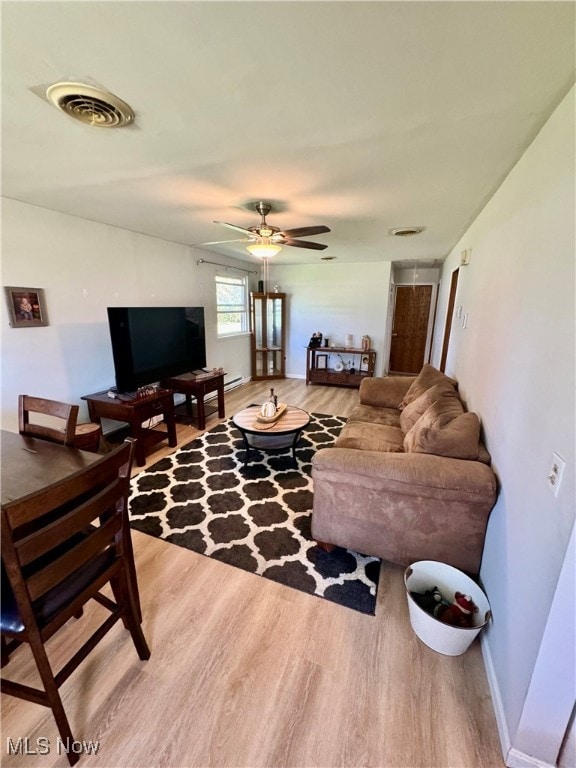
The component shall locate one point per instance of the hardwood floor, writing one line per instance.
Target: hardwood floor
(245, 672)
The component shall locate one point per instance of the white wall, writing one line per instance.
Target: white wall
(335, 299)
(515, 366)
(84, 267)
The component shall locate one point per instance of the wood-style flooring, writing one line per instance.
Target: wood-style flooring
(245, 672)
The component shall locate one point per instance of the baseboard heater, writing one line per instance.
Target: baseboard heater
(228, 387)
(234, 383)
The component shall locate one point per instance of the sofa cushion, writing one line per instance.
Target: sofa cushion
(387, 416)
(445, 430)
(384, 391)
(428, 377)
(412, 412)
(371, 437)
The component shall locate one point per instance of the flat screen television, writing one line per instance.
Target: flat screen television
(153, 343)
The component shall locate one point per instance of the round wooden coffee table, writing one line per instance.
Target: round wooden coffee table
(276, 436)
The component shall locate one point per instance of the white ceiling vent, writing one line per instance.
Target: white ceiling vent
(90, 105)
(406, 231)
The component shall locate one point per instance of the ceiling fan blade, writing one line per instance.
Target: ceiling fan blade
(304, 231)
(220, 242)
(233, 226)
(302, 244)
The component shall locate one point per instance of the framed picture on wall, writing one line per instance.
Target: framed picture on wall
(322, 362)
(26, 307)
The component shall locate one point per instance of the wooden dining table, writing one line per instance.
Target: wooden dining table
(27, 464)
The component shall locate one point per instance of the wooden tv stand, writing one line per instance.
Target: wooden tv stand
(136, 409)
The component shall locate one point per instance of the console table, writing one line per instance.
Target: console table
(324, 365)
(196, 386)
(136, 409)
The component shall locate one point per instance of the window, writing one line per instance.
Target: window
(231, 305)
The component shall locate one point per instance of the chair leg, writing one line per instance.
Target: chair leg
(135, 629)
(5, 658)
(121, 587)
(131, 574)
(8, 647)
(53, 696)
(119, 597)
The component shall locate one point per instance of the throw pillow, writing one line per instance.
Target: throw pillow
(428, 377)
(412, 412)
(445, 430)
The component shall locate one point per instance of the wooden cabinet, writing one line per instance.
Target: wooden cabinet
(268, 332)
(341, 366)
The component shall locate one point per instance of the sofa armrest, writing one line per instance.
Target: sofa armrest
(384, 391)
(409, 474)
(403, 507)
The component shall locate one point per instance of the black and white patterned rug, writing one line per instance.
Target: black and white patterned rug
(256, 517)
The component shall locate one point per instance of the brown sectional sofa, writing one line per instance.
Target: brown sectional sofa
(408, 478)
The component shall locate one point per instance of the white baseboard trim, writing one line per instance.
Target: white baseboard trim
(517, 759)
(512, 757)
(503, 733)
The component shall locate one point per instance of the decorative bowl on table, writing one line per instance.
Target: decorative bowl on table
(269, 419)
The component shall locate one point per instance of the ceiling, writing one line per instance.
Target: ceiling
(360, 116)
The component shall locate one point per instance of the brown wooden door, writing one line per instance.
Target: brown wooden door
(410, 328)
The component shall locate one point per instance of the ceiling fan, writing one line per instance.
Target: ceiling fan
(265, 236)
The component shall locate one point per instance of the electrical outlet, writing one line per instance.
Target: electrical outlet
(554, 478)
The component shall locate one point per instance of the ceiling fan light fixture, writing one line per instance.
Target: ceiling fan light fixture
(264, 248)
(265, 239)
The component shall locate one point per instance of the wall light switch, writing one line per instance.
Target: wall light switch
(554, 478)
(459, 310)
(465, 320)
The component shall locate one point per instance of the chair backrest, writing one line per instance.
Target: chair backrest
(68, 413)
(60, 545)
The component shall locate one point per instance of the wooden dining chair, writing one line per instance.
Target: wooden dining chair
(60, 546)
(60, 433)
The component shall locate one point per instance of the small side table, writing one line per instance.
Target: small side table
(134, 411)
(198, 386)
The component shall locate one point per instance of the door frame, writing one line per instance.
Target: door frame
(449, 317)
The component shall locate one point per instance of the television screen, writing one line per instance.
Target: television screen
(153, 343)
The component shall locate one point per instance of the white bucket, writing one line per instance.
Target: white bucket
(443, 638)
